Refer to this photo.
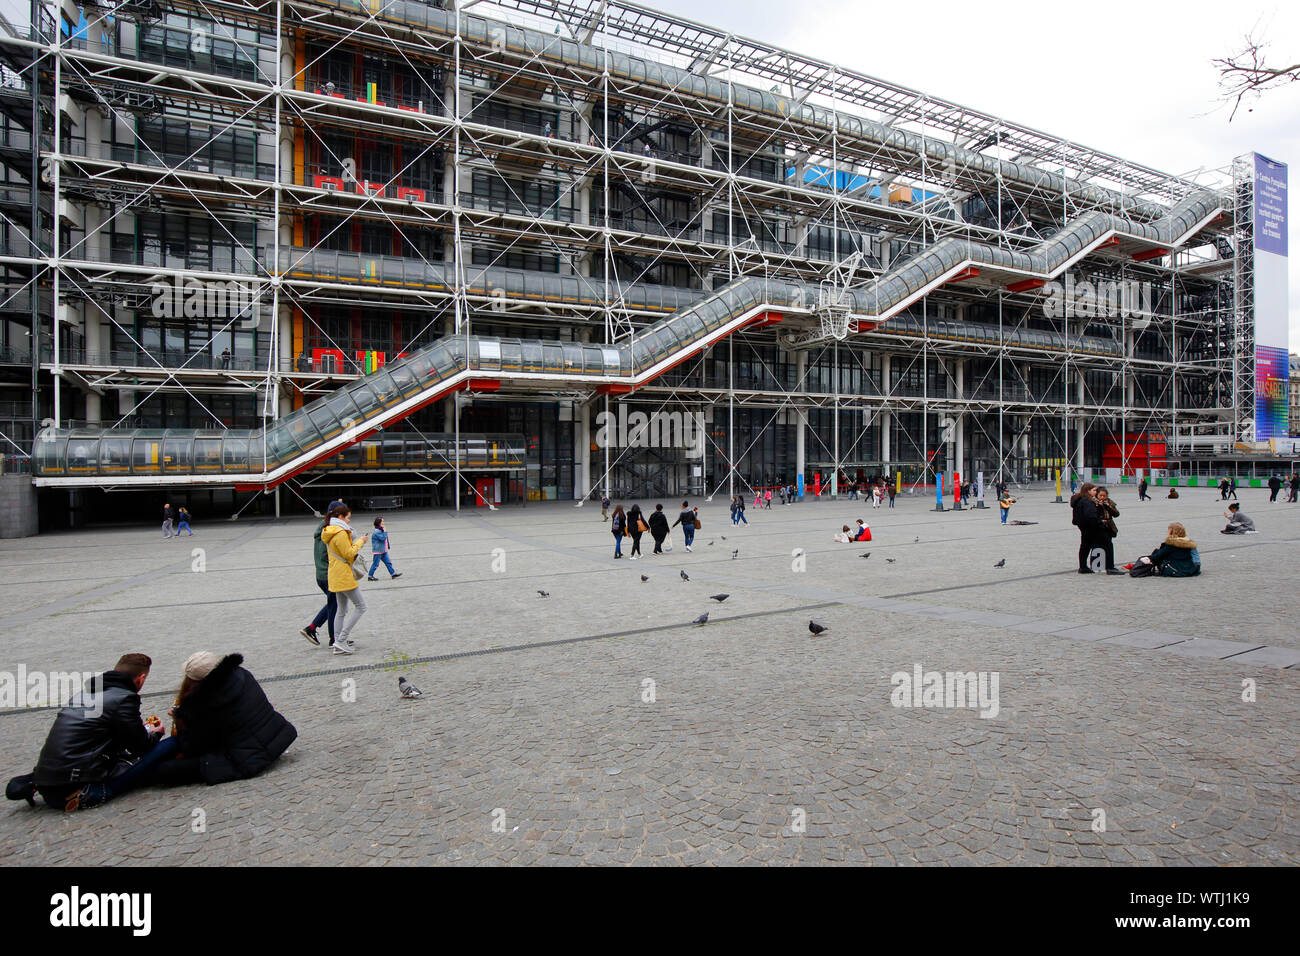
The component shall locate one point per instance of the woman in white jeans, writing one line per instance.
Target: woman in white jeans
(342, 551)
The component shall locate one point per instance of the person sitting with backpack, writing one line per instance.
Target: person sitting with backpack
(1177, 557)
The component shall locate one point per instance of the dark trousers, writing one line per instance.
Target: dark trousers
(659, 544)
(329, 610)
(133, 776)
(636, 542)
(1087, 541)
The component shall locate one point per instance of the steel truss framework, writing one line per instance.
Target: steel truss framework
(643, 178)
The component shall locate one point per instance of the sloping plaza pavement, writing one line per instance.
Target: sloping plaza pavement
(1135, 721)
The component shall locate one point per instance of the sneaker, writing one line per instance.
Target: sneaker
(688, 549)
(631, 557)
(343, 649)
(87, 798)
(1114, 571)
(397, 575)
(1085, 570)
(371, 578)
(309, 632)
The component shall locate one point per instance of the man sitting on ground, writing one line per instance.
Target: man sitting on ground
(1238, 523)
(97, 742)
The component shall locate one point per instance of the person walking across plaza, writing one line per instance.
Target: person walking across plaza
(1274, 486)
(687, 520)
(767, 499)
(381, 546)
(617, 525)
(658, 528)
(183, 521)
(320, 557)
(740, 511)
(636, 527)
(168, 517)
(342, 551)
(604, 506)
(1142, 490)
(1295, 488)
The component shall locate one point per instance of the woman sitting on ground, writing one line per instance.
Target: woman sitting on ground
(227, 728)
(844, 536)
(1177, 557)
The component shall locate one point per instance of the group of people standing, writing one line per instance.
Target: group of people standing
(1094, 514)
(1292, 483)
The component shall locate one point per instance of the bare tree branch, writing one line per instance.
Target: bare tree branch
(1248, 74)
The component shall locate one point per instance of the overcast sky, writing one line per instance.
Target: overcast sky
(1131, 78)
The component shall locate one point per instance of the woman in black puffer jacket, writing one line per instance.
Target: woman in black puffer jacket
(228, 729)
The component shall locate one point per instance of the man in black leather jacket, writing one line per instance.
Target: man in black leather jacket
(98, 736)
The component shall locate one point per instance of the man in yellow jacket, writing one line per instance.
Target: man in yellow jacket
(342, 551)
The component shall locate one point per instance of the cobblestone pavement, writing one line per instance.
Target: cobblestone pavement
(1118, 700)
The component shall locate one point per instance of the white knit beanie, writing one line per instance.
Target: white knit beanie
(200, 664)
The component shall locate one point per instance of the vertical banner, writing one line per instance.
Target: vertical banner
(1272, 321)
(800, 486)
(979, 488)
(938, 491)
(956, 489)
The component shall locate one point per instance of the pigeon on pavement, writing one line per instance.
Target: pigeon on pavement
(867, 555)
(890, 560)
(816, 628)
(409, 690)
(1001, 564)
(719, 597)
(544, 593)
(702, 619)
(916, 540)
(644, 578)
(734, 552)
(685, 576)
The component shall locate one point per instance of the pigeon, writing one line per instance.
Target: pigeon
(816, 628)
(544, 593)
(710, 544)
(719, 597)
(1001, 564)
(890, 560)
(409, 690)
(702, 619)
(916, 540)
(724, 537)
(734, 552)
(867, 555)
(685, 576)
(645, 578)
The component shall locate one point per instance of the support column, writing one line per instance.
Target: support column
(960, 432)
(886, 417)
(1081, 426)
(801, 369)
(582, 450)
